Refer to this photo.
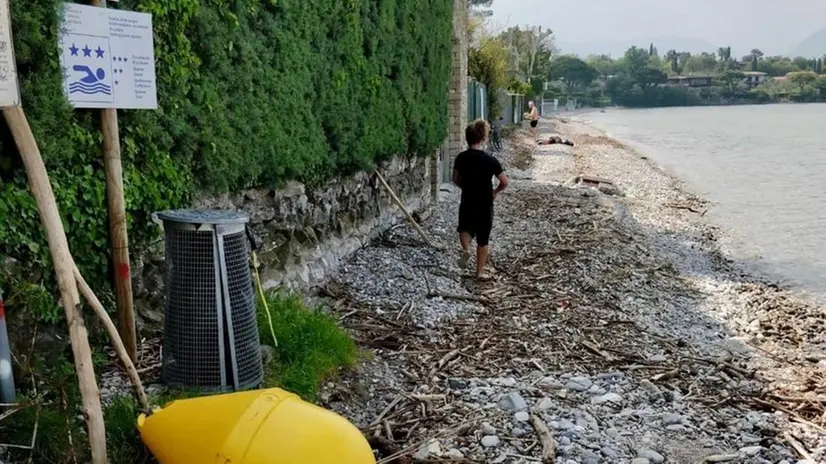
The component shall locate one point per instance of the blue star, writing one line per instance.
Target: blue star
(73, 49)
(87, 51)
(99, 52)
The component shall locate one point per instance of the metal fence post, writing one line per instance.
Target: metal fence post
(7, 394)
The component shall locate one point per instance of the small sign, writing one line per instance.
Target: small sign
(108, 58)
(9, 89)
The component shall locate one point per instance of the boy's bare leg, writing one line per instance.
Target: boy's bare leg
(464, 240)
(482, 254)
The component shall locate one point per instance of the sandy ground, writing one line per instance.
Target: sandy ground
(614, 331)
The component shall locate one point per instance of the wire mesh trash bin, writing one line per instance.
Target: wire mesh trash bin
(210, 332)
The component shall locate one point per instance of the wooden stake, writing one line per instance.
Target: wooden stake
(404, 209)
(63, 264)
(118, 235)
(117, 343)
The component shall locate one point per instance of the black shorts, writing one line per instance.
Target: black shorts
(476, 221)
(534, 123)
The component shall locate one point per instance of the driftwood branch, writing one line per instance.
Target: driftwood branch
(547, 440)
(117, 342)
(401, 206)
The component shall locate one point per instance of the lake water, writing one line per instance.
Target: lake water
(764, 167)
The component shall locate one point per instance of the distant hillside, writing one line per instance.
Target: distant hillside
(814, 46)
(618, 48)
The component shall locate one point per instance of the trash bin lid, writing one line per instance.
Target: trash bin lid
(204, 216)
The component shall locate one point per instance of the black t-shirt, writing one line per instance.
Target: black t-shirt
(476, 172)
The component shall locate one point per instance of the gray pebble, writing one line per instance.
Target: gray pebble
(596, 390)
(513, 402)
(648, 386)
(544, 404)
(521, 416)
(609, 453)
(564, 441)
(611, 376)
(489, 441)
(579, 384)
(751, 450)
(722, 458)
(518, 432)
(487, 429)
(454, 454)
(458, 384)
(671, 419)
(607, 398)
(651, 455)
(564, 424)
(640, 461)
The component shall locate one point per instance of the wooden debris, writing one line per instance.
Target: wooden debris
(546, 438)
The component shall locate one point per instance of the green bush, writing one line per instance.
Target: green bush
(251, 92)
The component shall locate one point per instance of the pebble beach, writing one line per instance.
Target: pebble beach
(615, 330)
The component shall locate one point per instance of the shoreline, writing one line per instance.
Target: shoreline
(731, 243)
(616, 321)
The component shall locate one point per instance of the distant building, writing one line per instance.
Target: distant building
(753, 78)
(690, 81)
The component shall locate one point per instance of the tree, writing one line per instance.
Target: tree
(800, 63)
(754, 57)
(673, 59)
(604, 64)
(725, 59)
(704, 63)
(731, 78)
(803, 79)
(488, 64)
(531, 49)
(820, 85)
(574, 72)
(776, 66)
(725, 54)
(650, 76)
(635, 58)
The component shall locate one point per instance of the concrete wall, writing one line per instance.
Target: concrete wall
(458, 81)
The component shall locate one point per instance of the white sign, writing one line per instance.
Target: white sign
(108, 58)
(9, 90)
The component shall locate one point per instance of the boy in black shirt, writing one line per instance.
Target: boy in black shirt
(473, 172)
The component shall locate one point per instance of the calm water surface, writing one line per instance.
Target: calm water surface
(764, 167)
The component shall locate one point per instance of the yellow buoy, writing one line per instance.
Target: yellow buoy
(255, 427)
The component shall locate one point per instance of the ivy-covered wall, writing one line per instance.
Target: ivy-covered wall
(251, 93)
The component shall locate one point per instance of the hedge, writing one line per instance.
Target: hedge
(252, 93)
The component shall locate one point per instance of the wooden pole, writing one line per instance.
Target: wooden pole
(118, 235)
(117, 343)
(63, 265)
(404, 209)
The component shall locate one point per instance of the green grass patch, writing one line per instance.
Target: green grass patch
(312, 347)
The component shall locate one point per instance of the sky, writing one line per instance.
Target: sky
(774, 26)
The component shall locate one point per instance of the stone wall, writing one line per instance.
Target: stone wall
(305, 233)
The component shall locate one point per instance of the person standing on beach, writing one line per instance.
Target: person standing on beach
(473, 172)
(533, 115)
